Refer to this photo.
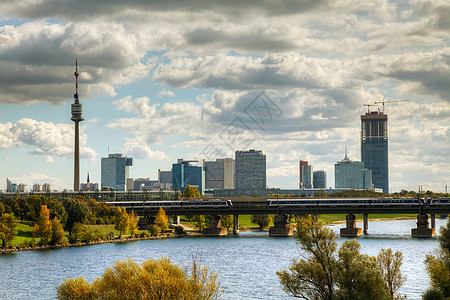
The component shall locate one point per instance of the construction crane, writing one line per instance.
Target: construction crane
(389, 101)
(368, 107)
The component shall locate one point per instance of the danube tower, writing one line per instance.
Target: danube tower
(77, 118)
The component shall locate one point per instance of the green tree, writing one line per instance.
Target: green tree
(227, 221)
(390, 263)
(58, 235)
(77, 212)
(122, 221)
(200, 222)
(314, 275)
(438, 265)
(357, 275)
(261, 220)
(324, 272)
(43, 226)
(161, 220)
(153, 279)
(7, 228)
(191, 192)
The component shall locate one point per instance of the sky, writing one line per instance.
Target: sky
(162, 80)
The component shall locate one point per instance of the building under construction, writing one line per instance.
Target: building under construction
(374, 147)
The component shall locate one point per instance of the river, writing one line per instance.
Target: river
(246, 263)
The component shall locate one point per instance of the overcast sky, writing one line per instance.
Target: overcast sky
(161, 80)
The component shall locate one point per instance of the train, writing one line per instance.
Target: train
(167, 204)
(359, 202)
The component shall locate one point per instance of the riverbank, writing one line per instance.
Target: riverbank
(17, 248)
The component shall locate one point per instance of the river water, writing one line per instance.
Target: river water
(246, 263)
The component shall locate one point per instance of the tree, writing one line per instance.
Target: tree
(261, 220)
(324, 272)
(227, 221)
(122, 221)
(153, 279)
(200, 221)
(357, 275)
(390, 263)
(77, 212)
(162, 221)
(191, 192)
(58, 235)
(133, 224)
(7, 228)
(438, 265)
(313, 276)
(43, 227)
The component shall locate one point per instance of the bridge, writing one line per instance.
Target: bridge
(257, 205)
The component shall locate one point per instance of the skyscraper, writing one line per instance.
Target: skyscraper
(183, 174)
(351, 174)
(250, 173)
(374, 148)
(306, 175)
(320, 179)
(219, 174)
(115, 171)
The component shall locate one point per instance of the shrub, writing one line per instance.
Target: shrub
(433, 294)
(152, 230)
(179, 230)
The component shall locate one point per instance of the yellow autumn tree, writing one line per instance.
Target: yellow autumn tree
(122, 221)
(162, 221)
(133, 224)
(43, 227)
(153, 279)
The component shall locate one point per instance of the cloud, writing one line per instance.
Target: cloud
(37, 61)
(45, 138)
(31, 178)
(166, 94)
(137, 147)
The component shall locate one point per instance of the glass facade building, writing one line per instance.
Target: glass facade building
(184, 174)
(374, 148)
(320, 179)
(250, 173)
(352, 175)
(115, 171)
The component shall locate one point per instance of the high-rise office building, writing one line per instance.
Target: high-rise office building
(219, 174)
(301, 164)
(164, 179)
(8, 185)
(351, 174)
(250, 173)
(115, 171)
(46, 187)
(22, 188)
(374, 148)
(184, 174)
(320, 179)
(37, 187)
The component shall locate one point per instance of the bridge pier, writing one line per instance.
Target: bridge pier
(174, 220)
(423, 230)
(215, 227)
(235, 224)
(281, 226)
(351, 230)
(366, 224)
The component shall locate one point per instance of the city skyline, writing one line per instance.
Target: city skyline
(159, 82)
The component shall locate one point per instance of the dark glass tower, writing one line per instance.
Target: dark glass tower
(374, 148)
